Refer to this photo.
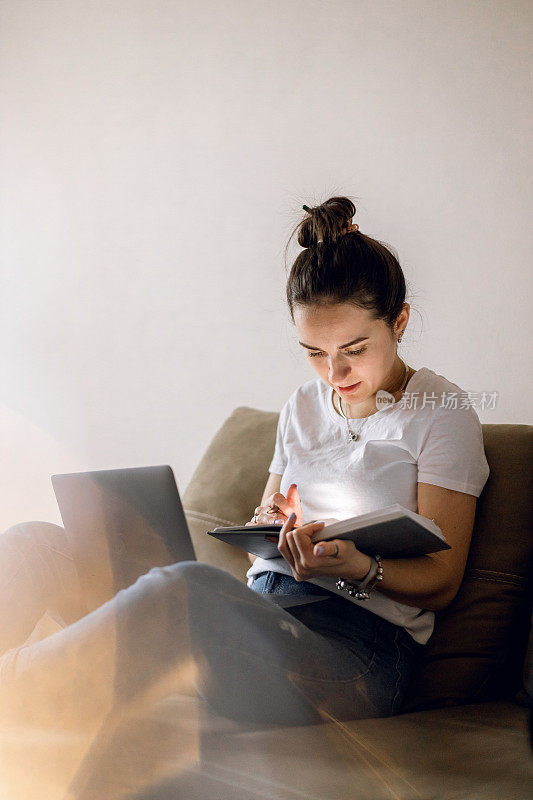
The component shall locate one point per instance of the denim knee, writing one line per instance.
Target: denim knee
(32, 531)
(191, 572)
(199, 572)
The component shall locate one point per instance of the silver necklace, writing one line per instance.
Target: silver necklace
(354, 436)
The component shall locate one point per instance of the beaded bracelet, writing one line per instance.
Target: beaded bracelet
(361, 591)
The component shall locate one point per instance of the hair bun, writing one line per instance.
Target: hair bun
(326, 222)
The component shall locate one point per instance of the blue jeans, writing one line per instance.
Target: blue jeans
(249, 659)
(365, 660)
(256, 662)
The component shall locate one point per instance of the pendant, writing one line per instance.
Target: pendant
(353, 436)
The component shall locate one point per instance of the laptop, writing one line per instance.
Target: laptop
(121, 523)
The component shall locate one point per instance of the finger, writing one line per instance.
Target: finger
(303, 547)
(296, 562)
(329, 550)
(311, 528)
(300, 547)
(296, 544)
(266, 509)
(293, 499)
(279, 500)
(282, 539)
(270, 519)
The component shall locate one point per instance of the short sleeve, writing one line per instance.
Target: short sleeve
(279, 460)
(453, 455)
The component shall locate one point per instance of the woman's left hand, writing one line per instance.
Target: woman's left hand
(308, 560)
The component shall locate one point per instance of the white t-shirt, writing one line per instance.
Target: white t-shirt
(431, 435)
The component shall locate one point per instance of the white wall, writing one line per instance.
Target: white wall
(155, 157)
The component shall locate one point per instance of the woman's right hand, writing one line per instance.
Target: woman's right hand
(285, 507)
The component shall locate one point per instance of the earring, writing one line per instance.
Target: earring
(400, 337)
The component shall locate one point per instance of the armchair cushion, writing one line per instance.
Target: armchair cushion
(228, 484)
(478, 646)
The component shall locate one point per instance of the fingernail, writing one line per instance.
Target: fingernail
(292, 517)
(278, 522)
(320, 550)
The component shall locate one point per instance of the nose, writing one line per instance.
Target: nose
(338, 370)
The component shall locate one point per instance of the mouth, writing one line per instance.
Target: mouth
(347, 389)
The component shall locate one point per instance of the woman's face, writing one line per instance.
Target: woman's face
(355, 369)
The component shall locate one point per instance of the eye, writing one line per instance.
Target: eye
(350, 353)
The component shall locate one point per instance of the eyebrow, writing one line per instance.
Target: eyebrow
(354, 341)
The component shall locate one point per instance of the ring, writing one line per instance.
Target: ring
(271, 510)
(337, 550)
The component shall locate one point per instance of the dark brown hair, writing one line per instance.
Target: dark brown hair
(343, 267)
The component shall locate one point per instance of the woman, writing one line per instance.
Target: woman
(352, 440)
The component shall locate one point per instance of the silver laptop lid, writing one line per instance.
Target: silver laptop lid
(120, 524)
